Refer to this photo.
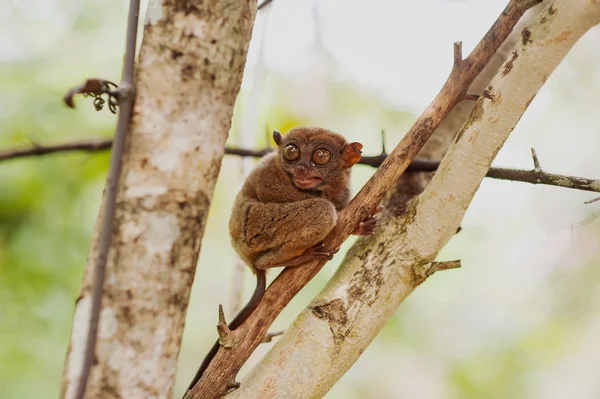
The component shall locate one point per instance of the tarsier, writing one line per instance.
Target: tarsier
(288, 205)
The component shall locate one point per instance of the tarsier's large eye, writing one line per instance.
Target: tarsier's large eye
(321, 156)
(291, 152)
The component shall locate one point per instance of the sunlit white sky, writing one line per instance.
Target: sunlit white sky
(401, 48)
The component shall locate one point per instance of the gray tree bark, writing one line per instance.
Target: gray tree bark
(188, 75)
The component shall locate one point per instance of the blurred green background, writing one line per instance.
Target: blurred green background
(520, 319)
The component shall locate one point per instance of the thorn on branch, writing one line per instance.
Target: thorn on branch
(458, 57)
(34, 143)
(440, 266)
(525, 5)
(471, 97)
(536, 162)
(96, 88)
(592, 201)
(225, 338)
(264, 4)
(269, 337)
(383, 151)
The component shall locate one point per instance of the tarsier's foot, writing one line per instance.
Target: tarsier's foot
(316, 252)
(368, 225)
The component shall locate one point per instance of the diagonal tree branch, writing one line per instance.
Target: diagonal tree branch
(418, 165)
(382, 270)
(220, 374)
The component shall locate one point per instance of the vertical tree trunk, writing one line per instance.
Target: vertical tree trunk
(188, 75)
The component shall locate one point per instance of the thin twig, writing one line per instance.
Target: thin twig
(592, 201)
(471, 97)
(269, 337)
(536, 161)
(458, 58)
(264, 4)
(418, 165)
(35, 149)
(126, 99)
(446, 265)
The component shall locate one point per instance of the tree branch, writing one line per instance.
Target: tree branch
(382, 270)
(227, 362)
(418, 165)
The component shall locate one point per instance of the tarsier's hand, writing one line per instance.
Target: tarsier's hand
(367, 226)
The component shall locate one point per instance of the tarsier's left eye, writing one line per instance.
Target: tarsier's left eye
(321, 156)
(291, 152)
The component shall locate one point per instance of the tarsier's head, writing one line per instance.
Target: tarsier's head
(315, 157)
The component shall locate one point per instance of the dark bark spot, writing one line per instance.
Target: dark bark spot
(176, 54)
(487, 93)
(126, 315)
(543, 20)
(509, 65)
(526, 37)
(366, 283)
(476, 113)
(187, 7)
(187, 72)
(175, 299)
(551, 10)
(333, 311)
(529, 101)
(144, 162)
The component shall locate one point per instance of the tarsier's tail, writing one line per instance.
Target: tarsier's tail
(259, 291)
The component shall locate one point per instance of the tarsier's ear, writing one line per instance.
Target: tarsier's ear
(351, 154)
(277, 137)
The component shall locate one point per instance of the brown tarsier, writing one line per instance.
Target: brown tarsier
(288, 205)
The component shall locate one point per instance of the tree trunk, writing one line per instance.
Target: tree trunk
(188, 75)
(379, 272)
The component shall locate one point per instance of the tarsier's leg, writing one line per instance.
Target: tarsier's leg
(284, 232)
(279, 257)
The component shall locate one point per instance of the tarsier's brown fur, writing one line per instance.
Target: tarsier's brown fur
(286, 208)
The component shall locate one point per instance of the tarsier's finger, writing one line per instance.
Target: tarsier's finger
(320, 254)
(377, 209)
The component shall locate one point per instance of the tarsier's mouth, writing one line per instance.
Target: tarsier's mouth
(307, 182)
